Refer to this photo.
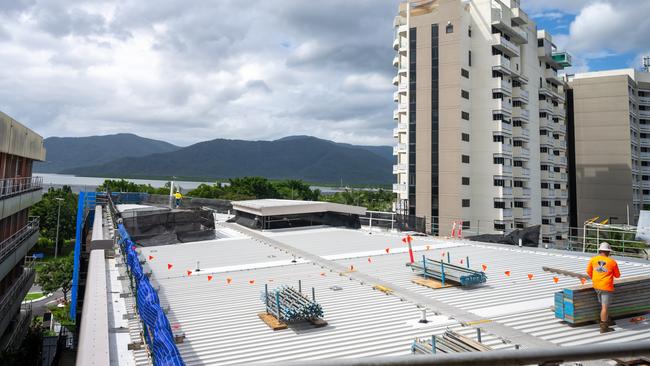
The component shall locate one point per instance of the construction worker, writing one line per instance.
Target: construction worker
(602, 269)
(178, 197)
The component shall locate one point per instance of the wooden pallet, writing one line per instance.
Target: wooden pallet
(430, 283)
(272, 321)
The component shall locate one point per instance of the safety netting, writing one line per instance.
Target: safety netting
(157, 330)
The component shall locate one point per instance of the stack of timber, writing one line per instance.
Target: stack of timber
(449, 342)
(446, 272)
(579, 305)
(289, 305)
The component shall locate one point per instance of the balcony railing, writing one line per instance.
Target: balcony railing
(15, 186)
(17, 290)
(644, 100)
(11, 243)
(399, 188)
(399, 168)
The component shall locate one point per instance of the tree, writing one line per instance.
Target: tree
(47, 211)
(124, 185)
(254, 187)
(56, 274)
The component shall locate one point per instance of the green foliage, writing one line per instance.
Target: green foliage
(47, 210)
(622, 241)
(62, 315)
(256, 187)
(56, 274)
(29, 351)
(379, 200)
(124, 185)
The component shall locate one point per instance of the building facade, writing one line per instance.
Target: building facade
(19, 148)
(610, 145)
(481, 136)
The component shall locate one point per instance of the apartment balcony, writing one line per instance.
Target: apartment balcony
(522, 212)
(521, 114)
(521, 133)
(560, 144)
(396, 80)
(396, 43)
(506, 213)
(400, 148)
(521, 152)
(521, 172)
(562, 58)
(644, 100)
(396, 97)
(501, 86)
(502, 64)
(564, 193)
(548, 230)
(403, 88)
(644, 114)
(504, 170)
(548, 211)
(519, 17)
(402, 30)
(396, 61)
(547, 158)
(546, 140)
(504, 192)
(500, 106)
(521, 94)
(400, 168)
(396, 115)
(563, 177)
(502, 22)
(13, 297)
(552, 77)
(548, 175)
(402, 127)
(644, 155)
(521, 192)
(505, 46)
(644, 127)
(400, 188)
(402, 107)
(504, 127)
(402, 71)
(15, 248)
(17, 194)
(548, 193)
(561, 160)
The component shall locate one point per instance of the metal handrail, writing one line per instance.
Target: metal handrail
(12, 295)
(8, 245)
(13, 186)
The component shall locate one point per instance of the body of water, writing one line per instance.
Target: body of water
(91, 183)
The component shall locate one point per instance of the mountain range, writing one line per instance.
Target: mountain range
(294, 157)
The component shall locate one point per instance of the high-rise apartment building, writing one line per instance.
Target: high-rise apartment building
(480, 135)
(609, 121)
(19, 147)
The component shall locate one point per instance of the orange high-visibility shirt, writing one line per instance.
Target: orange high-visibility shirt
(602, 271)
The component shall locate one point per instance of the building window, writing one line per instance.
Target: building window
(499, 204)
(466, 225)
(464, 115)
(464, 94)
(544, 185)
(518, 163)
(464, 73)
(519, 204)
(545, 221)
(465, 203)
(465, 159)
(499, 183)
(558, 203)
(518, 184)
(449, 28)
(546, 204)
(499, 227)
(465, 181)
(464, 137)
(497, 138)
(498, 160)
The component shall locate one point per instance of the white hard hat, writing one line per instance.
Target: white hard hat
(604, 247)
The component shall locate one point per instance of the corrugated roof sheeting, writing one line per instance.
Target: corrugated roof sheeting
(222, 327)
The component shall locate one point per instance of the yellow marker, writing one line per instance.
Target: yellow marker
(604, 222)
(383, 289)
(482, 321)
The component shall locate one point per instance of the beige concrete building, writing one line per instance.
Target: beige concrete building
(480, 118)
(610, 144)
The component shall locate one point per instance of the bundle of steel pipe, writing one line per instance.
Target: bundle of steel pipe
(449, 342)
(289, 305)
(579, 304)
(444, 272)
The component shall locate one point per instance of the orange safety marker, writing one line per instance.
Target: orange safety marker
(322, 274)
(351, 268)
(369, 260)
(583, 280)
(461, 261)
(251, 282)
(387, 250)
(428, 247)
(556, 279)
(209, 278)
(229, 280)
(169, 266)
(507, 273)
(484, 267)
(189, 273)
(530, 276)
(271, 280)
(150, 257)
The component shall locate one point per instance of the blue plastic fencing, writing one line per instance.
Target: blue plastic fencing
(84, 203)
(157, 330)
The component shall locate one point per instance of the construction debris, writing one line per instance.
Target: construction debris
(579, 304)
(447, 272)
(449, 342)
(290, 305)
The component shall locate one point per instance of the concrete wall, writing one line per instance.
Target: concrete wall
(602, 147)
(11, 205)
(16, 139)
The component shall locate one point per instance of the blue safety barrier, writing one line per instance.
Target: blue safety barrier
(157, 330)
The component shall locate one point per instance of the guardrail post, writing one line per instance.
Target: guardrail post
(442, 269)
(266, 297)
(424, 267)
(313, 294)
(478, 335)
(433, 344)
(300, 286)
(467, 259)
(277, 302)
(448, 257)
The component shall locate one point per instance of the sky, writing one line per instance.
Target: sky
(188, 71)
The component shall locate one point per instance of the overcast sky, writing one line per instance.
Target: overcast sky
(187, 71)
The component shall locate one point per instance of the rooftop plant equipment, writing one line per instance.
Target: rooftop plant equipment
(290, 305)
(447, 272)
(579, 304)
(449, 342)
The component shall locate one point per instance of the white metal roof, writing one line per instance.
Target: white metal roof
(220, 318)
(274, 207)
